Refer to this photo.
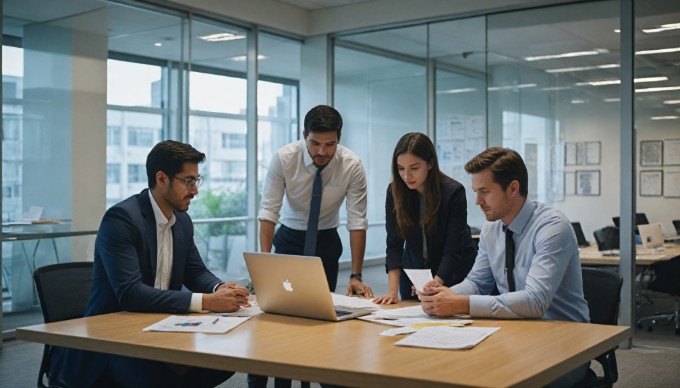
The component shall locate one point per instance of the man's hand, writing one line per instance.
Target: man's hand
(356, 286)
(227, 298)
(389, 298)
(443, 302)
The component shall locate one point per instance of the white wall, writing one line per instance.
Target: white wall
(599, 122)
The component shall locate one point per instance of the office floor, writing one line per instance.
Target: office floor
(652, 362)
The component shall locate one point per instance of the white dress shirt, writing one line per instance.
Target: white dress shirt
(165, 255)
(292, 172)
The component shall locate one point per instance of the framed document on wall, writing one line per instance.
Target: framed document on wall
(671, 187)
(588, 182)
(671, 155)
(651, 153)
(651, 183)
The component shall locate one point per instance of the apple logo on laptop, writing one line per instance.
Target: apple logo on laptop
(287, 286)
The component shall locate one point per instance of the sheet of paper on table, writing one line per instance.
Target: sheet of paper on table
(446, 337)
(197, 324)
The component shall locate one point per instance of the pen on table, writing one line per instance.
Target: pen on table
(216, 320)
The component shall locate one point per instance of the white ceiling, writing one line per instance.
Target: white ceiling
(459, 44)
(321, 4)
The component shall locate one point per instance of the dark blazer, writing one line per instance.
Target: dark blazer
(450, 248)
(123, 278)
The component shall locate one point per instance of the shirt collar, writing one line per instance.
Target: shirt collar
(309, 162)
(158, 214)
(522, 219)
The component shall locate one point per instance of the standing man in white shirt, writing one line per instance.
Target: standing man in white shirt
(288, 199)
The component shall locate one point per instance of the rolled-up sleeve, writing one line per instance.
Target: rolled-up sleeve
(357, 198)
(272, 194)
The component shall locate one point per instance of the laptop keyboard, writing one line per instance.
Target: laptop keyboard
(342, 313)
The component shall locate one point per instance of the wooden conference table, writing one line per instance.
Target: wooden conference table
(591, 256)
(523, 353)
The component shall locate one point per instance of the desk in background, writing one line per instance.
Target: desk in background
(23, 253)
(591, 256)
(351, 353)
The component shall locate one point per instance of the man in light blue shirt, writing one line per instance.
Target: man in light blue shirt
(547, 272)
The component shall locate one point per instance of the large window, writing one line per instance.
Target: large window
(381, 93)
(94, 90)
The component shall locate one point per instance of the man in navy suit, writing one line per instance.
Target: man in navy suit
(144, 254)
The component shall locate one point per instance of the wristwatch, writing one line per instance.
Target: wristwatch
(356, 276)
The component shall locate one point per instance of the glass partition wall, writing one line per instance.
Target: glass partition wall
(93, 90)
(544, 82)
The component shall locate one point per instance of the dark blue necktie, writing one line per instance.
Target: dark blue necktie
(314, 210)
(509, 258)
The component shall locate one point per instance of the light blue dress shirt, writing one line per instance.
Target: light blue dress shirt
(548, 279)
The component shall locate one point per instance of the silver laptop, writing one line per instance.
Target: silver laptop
(651, 235)
(294, 285)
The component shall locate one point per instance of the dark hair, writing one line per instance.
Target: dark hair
(506, 166)
(421, 146)
(169, 156)
(323, 118)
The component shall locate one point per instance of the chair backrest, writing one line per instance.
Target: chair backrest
(602, 291)
(665, 276)
(580, 237)
(607, 238)
(63, 289)
(676, 223)
(640, 219)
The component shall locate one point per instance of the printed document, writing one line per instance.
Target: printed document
(419, 277)
(197, 324)
(446, 337)
(340, 300)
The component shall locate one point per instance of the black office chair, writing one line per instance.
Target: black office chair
(602, 291)
(640, 219)
(676, 223)
(63, 290)
(663, 276)
(580, 237)
(607, 238)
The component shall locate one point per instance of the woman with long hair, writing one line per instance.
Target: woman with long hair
(426, 220)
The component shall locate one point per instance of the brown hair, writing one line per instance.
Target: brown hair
(506, 166)
(421, 146)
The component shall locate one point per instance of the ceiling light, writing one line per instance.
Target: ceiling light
(612, 99)
(665, 117)
(158, 44)
(578, 101)
(663, 27)
(658, 51)
(511, 87)
(566, 55)
(582, 68)
(659, 89)
(221, 37)
(242, 58)
(454, 91)
(616, 81)
(556, 88)
(671, 102)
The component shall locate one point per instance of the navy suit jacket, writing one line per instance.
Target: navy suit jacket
(124, 274)
(450, 248)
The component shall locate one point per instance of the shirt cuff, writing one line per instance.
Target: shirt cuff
(217, 286)
(196, 305)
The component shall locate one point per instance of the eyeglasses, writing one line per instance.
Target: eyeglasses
(191, 182)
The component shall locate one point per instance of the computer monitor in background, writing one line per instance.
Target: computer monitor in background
(580, 237)
(640, 219)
